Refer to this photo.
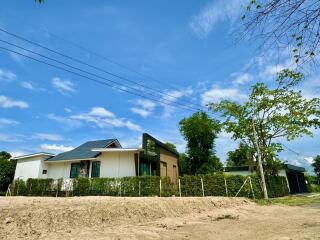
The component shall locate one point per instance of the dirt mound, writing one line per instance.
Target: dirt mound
(28, 217)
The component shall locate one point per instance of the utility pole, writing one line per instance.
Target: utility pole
(264, 186)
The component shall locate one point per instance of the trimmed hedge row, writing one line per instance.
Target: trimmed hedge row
(217, 184)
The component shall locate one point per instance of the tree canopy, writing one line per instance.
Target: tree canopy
(278, 113)
(285, 24)
(316, 167)
(240, 156)
(7, 169)
(200, 132)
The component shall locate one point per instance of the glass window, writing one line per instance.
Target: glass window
(95, 169)
(75, 170)
(145, 169)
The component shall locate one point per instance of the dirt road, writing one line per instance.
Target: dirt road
(153, 218)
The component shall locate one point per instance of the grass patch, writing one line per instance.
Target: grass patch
(295, 200)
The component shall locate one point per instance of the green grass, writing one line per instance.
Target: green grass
(295, 200)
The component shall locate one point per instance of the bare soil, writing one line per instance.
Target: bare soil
(153, 218)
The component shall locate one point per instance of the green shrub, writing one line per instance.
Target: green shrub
(216, 184)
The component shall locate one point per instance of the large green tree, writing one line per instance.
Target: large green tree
(200, 132)
(316, 167)
(240, 156)
(7, 169)
(274, 114)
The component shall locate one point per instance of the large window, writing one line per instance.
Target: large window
(145, 169)
(95, 169)
(75, 170)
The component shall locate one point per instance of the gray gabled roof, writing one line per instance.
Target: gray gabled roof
(84, 150)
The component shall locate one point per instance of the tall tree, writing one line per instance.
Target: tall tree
(200, 132)
(316, 167)
(7, 169)
(290, 24)
(240, 156)
(281, 112)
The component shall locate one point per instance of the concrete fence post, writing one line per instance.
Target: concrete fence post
(202, 187)
(139, 188)
(179, 183)
(160, 187)
(226, 186)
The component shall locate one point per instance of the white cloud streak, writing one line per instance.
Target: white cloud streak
(6, 102)
(214, 13)
(63, 86)
(6, 75)
(103, 118)
(56, 148)
(47, 136)
(216, 94)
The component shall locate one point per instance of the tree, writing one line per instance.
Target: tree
(171, 146)
(276, 113)
(240, 156)
(200, 132)
(184, 164)
(7, 169)
(316, 167)
(283, 23)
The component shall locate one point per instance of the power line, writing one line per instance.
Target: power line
(110, 60)
(86, 72)
(96, 68)
(95, 80)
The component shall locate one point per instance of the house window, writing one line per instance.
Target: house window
(145, 169)
(75, 170)
(44, 171)
(95, 169)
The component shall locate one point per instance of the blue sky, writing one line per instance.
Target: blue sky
(186, 50)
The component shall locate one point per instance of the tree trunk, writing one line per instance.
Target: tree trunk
(264, 186)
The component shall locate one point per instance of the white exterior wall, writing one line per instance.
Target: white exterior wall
(117, 164)
(242, 173)
(30, 168)
(58, 170)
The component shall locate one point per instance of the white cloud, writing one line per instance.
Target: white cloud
(103, 118)
(6, 102)
(101, 112)
(309, 159)
(18, 153)
(63, 86)
(241, 78)
(144, 107)
(172, 97)
(140, 111)
(216, 94)
(27, 85)
(7, 75)
(56, 148)
(5, 121)
(7, 138)
(214, 13)
(68, 122)
(47, 136)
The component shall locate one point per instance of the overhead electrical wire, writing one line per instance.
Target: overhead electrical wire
(169, 103)
(92, 74)
(199, 107)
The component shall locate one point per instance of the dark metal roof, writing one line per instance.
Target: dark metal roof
(84, 150)
(289, 167)
(294, 168)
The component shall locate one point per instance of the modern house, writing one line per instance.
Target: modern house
(102, 158)
(294, 175)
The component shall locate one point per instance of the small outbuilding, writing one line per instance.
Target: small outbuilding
(294, 175)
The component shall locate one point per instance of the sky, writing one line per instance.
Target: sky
(181, 55)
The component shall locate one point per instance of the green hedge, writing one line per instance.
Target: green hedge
(127, 186)
(217, 184)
